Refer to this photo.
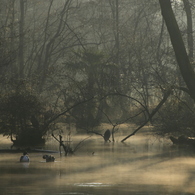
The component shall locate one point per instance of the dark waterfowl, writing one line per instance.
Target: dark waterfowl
(25, 157)
(49, 158)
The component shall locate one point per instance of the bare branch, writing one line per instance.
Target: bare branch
(166, 95)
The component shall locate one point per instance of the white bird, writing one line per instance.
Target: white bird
(25, 157)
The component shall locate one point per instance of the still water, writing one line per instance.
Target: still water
(143, 165)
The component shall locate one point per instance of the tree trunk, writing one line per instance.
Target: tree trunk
(21, 40)
(114, 5)
(178, 46)
(189, 28)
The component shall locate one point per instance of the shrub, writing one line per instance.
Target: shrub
(22, 117)
(176, 118)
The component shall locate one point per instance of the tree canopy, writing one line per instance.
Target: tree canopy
(93, 62)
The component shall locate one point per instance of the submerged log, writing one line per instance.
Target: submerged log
(183, 140)
(29, 150)
(28, 141)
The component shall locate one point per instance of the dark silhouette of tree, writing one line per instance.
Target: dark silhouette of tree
(178, 46)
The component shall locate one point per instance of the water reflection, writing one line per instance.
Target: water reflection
(141, 166)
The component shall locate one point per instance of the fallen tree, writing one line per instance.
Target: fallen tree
(166, 95)
(183, 140)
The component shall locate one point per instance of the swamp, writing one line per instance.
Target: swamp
(144, 165)
(129, 64)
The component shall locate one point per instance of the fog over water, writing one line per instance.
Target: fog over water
(144, 164)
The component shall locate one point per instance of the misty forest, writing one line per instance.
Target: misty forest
(108, 71)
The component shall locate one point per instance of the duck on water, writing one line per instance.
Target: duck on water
(49, 158)
(25, 157)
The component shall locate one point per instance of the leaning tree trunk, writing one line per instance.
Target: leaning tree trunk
(178, 46)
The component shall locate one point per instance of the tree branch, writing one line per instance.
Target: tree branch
(166, 95)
